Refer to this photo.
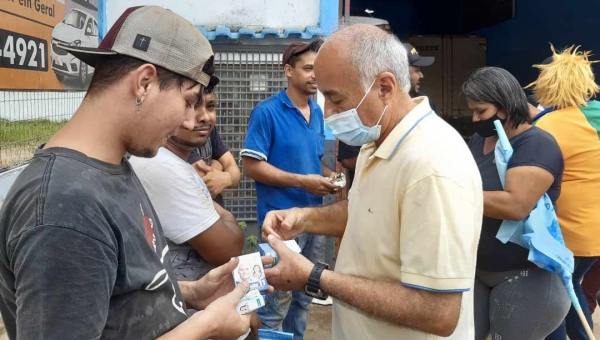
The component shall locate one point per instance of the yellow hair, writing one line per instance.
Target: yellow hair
(567, 81)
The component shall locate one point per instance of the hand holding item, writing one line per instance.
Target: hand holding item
(283, 224)
(291, 271)
(317, 184)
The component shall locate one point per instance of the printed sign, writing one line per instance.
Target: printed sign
(30, 34)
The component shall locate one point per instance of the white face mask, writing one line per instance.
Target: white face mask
(348, 128)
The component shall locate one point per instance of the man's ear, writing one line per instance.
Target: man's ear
(387, 86)
(288, 70)
(142, 79)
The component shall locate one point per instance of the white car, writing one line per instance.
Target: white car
(78, 28)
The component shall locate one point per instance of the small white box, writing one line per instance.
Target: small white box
(251, 302)
(266, 250)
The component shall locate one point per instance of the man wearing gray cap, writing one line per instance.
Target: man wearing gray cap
(82, 252)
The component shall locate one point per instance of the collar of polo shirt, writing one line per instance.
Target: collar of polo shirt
(403, 129)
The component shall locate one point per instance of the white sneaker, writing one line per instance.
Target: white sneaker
(327, 302)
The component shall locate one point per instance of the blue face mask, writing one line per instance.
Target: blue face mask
(348, 128)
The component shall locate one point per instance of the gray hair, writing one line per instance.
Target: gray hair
(372, 52)
(497, 86)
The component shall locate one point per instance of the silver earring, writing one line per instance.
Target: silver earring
(138, 103)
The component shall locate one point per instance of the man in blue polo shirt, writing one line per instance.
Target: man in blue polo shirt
(282, 153)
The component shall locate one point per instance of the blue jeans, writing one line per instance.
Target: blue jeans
(572, 325)
(290, 310)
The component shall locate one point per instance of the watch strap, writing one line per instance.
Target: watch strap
(313, 286)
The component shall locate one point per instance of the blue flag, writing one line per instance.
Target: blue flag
(539, 232)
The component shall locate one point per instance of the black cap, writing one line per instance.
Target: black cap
(414, 59)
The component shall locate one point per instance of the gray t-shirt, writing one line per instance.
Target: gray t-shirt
(82, 254)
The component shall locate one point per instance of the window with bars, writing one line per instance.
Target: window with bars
(248, 76)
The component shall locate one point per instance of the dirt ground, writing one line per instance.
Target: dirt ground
(319, 324)
(12, 155)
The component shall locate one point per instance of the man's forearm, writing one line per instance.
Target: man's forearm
(435, 313)
(197, 327)
(187, 292)
(330, 220)
(230, 166)
(235, 174)
(265, 173)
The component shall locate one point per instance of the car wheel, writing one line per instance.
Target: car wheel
(83, 74)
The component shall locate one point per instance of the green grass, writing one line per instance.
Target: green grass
(23, 131)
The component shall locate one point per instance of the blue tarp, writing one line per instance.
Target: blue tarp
(265, 334)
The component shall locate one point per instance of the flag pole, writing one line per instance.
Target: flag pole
(588, 330)
(579, 311)
(560, 266)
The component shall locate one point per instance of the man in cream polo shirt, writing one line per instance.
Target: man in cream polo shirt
(406, 265)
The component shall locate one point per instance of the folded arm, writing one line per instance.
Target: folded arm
(230, 166)
(524, 187)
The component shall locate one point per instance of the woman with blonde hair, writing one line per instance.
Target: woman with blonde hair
(565, 87)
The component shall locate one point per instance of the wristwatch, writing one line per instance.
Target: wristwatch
(313, 286)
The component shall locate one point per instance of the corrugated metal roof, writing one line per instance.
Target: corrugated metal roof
(223, 32)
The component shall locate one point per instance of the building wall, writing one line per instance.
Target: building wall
(523, 41)
(515, 44)
(253, 14)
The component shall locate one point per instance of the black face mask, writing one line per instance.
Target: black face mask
(485, 128)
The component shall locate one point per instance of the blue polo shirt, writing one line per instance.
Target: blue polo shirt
(279, 135)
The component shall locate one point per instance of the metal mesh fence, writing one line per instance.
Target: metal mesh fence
(28, 119)
(247, 77)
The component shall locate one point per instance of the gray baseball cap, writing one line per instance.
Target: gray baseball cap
(158, 36)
